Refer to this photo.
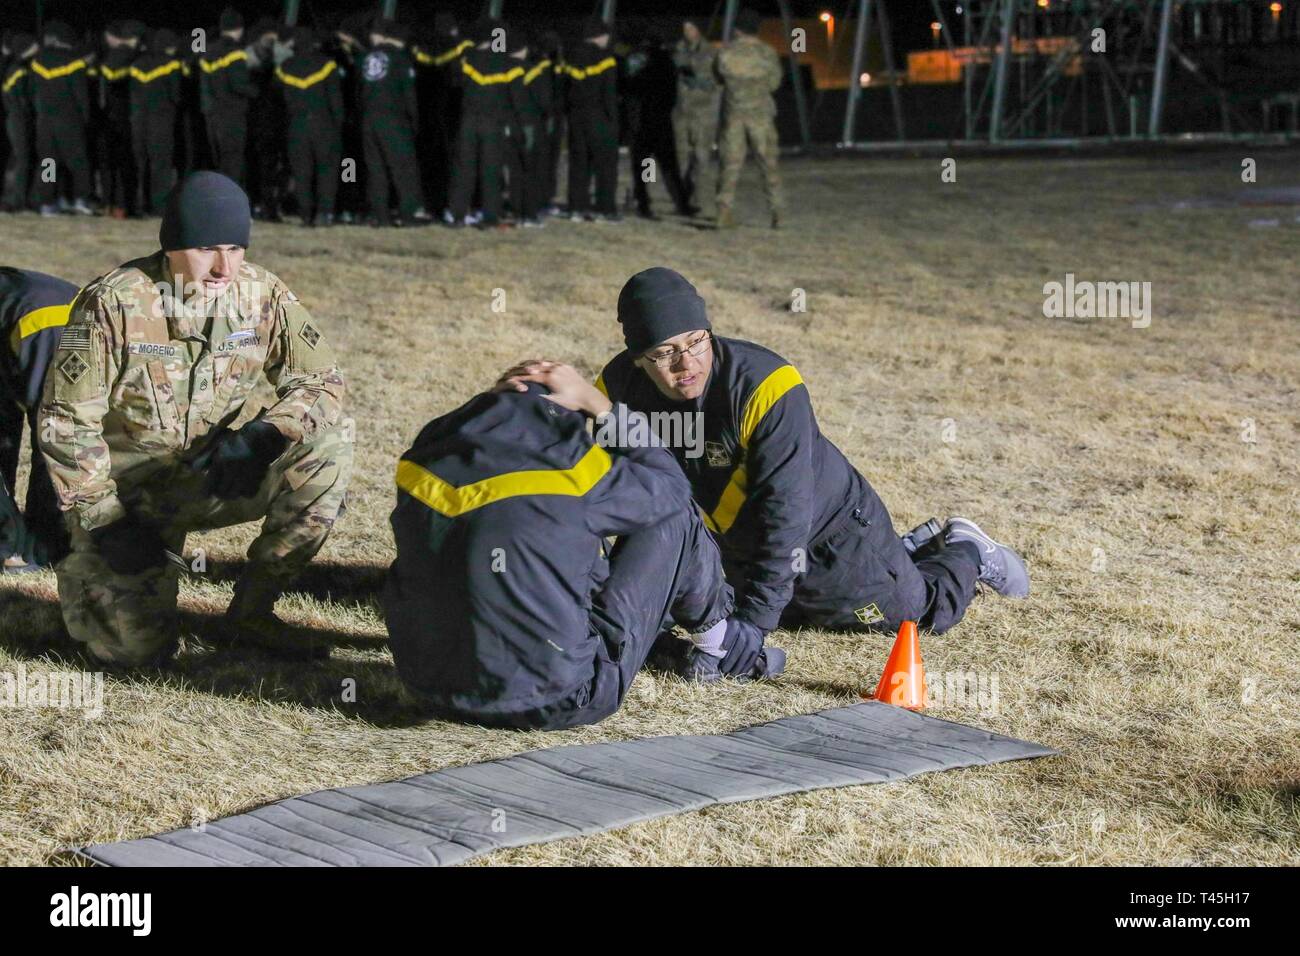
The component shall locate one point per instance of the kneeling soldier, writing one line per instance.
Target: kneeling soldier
(805, 538)
(155, 364)
(501, 607)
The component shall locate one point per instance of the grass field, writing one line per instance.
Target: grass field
(1149, 475)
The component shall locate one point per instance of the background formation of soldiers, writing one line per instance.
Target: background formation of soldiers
(367, 124)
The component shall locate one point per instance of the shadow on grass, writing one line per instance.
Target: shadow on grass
(33, 629)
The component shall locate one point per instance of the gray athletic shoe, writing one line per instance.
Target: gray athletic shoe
(1001, 568)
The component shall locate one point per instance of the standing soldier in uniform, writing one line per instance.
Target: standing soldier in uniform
(347, 43)
(156, 78)
(62, 97)
(695, 117)
(16, 98)
(389, 118)
(750, 72)
(121, 46)
(33, 311)
(224, 92)
(313, 96)
(530, 97)
(155, 365)
(486, 74)
(439, 98)
(592, 99)
(266, 120)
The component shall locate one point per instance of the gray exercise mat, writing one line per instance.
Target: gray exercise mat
(450, 815)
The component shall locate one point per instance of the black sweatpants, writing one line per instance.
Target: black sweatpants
(389, 146)
(478, 158)
(525, 175)
(315, 152)
(41, 513)
(671, 569)
(153, 140)
(861, 578)
(593, 150)
(18, 171)
(119, 164)
(228, 139)
(63, 139)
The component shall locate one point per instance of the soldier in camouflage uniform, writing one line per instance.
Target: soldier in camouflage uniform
(750, 72)
(136, 417)
(695, 115)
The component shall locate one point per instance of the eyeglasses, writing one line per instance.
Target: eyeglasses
(693, 349)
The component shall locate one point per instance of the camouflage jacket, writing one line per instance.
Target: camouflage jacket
(697, 87)
(139, 380)
(750, 72)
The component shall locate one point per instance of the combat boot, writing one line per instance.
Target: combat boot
(776, 219)
(725, 220)
(251, 622)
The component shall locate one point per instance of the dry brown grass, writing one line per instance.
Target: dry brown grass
(1169, 677)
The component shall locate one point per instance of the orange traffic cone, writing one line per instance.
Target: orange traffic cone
(903, 682)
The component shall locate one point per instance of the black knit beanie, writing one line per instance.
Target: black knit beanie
(205, 209)
(656, 305)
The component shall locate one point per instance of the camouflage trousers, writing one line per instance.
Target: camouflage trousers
(738, 137)
(694, 133)
(133, 619)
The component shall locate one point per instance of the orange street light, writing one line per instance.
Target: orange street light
(829, 20)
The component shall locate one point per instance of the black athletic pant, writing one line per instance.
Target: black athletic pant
(119, 165)
(670, 569)
(18, 171)
(479, 156)
(593, 150)
(228, 139)
(41, 514)
(63, 139)
(389, 146)
(153, 140)
(861, 578)
(315, 152)
(525, 179)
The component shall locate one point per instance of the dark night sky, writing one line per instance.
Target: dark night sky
(910, 18)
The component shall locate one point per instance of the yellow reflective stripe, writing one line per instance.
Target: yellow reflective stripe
(578, 73)
(14, 77)
(761, 400)
(600, 384)
(306, 82)
(759, 403)
(225, 61)
(447, 499)
(112, 74)
(141, 76)
(442, 59)
(37, 319)
(486, 79)
(58, 71)
(536, 71)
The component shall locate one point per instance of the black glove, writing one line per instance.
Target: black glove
(237, 464)
(129, 545)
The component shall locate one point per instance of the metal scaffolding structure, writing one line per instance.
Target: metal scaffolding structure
(1037, 69)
